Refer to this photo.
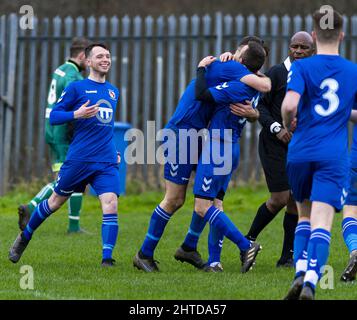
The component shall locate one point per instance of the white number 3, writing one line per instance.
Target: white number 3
(329, 95)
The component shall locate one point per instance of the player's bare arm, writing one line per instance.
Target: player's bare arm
(259, 82)
(245, 110)
(289, 108)
(353, 116)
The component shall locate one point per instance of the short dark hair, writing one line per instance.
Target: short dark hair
(88, 50)
(246, 40)
(78, 45)
(254, 57)
(327, 35)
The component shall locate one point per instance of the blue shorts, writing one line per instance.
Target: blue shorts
(213, 176)
(75, 175)
(323, 181)
(351, 199)
(179, 166)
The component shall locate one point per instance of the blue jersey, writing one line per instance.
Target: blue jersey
(224, 94)
(353, 154)
(93, 139)
(191, 113)
(327, 87)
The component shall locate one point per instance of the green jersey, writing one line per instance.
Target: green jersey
(61, 78)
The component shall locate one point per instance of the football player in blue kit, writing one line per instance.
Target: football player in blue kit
(92, 156)
(320, 96)
(213, 176)
(190, 116)
(349, 222)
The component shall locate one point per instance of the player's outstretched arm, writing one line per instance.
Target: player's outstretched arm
(289, 108)
(259, 82)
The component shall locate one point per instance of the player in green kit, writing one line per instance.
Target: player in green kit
(59, 137)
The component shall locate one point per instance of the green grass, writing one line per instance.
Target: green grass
(68, 266)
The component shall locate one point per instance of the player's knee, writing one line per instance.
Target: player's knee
(55, 201)
(173, 203)
(201, 207)
(277, 203)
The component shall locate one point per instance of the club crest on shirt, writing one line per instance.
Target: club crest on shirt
(112, 94)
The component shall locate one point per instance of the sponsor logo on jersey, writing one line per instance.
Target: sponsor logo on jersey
(91, 91)
(112, 94)
(105, 113)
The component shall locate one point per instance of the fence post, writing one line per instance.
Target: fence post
(207, 21)
(124, 68)
(114, 29)
(31, 101)
(354, 37)
(286, 32)
(170, 85)
(219, 33)
(148, 67)
(43, 97)
(2, 103)
(182, 50)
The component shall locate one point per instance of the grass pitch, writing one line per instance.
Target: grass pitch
(68, 266)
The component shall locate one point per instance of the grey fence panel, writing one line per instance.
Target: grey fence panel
(274, 27)
(239, 21)
(2, 95)
(207, 25)
(103, 25)
(171, 66)
(227, 32)
(297, 24)
(19, 102)
(195, 25)
(286, 22)
(345, 28)
(114, 33)
(308, 23)
(43, 94)
(135, 79)
(32, 75)
(183, 55)
(124, 68)
(354, 36)
(151, 66)
(80, 26)
(57, 24)
(159, 82)
(219, 33)
(91, 27)
(68, 32)
(148, 67)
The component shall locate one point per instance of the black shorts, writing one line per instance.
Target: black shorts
(272, 155)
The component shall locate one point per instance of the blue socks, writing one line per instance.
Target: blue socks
(317, 255)
(196, 227)
(109, 234)
(215, 244)
(225, 226)
(158, 222)
(301, 241)
(41, 213)
(349, 232)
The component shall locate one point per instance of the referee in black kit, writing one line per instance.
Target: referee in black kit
(273, 146)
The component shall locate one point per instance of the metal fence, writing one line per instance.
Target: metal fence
(153, 59)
